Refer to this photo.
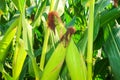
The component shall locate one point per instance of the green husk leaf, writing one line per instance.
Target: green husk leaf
(54, 64)
(75, 63)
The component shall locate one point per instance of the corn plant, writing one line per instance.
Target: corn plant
(59, 39)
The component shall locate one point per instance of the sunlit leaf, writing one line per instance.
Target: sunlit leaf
(20, 4)
(53, 66)
(27, 38)
(27, 35)
(18, 60)
(75, 63)
(6, 40)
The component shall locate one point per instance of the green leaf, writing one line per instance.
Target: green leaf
(18, 60)
(84, 2)
(6, 40)
(27, 38)
(75, 63)
(82, 44)
(30, 68)
(20, 4)
(53, 67)
(1, 67)
(6, 76)
(27, 35)
(112, 49)
(72, 22)
(38, 15)
(99, 7)
(64, 73)
(101, 19)
(107, 16)
(2, 6)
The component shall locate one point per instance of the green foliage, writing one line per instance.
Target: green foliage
(75, 63)
(29, 49)
(6, 41)
(18, 60)
(84, 2)
(2, 6)
(113, 50)
(20, 5)
(53, 66)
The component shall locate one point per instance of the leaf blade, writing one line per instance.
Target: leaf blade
(54, 64)
(78, 69)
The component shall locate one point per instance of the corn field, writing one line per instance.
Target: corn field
(59, 40)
